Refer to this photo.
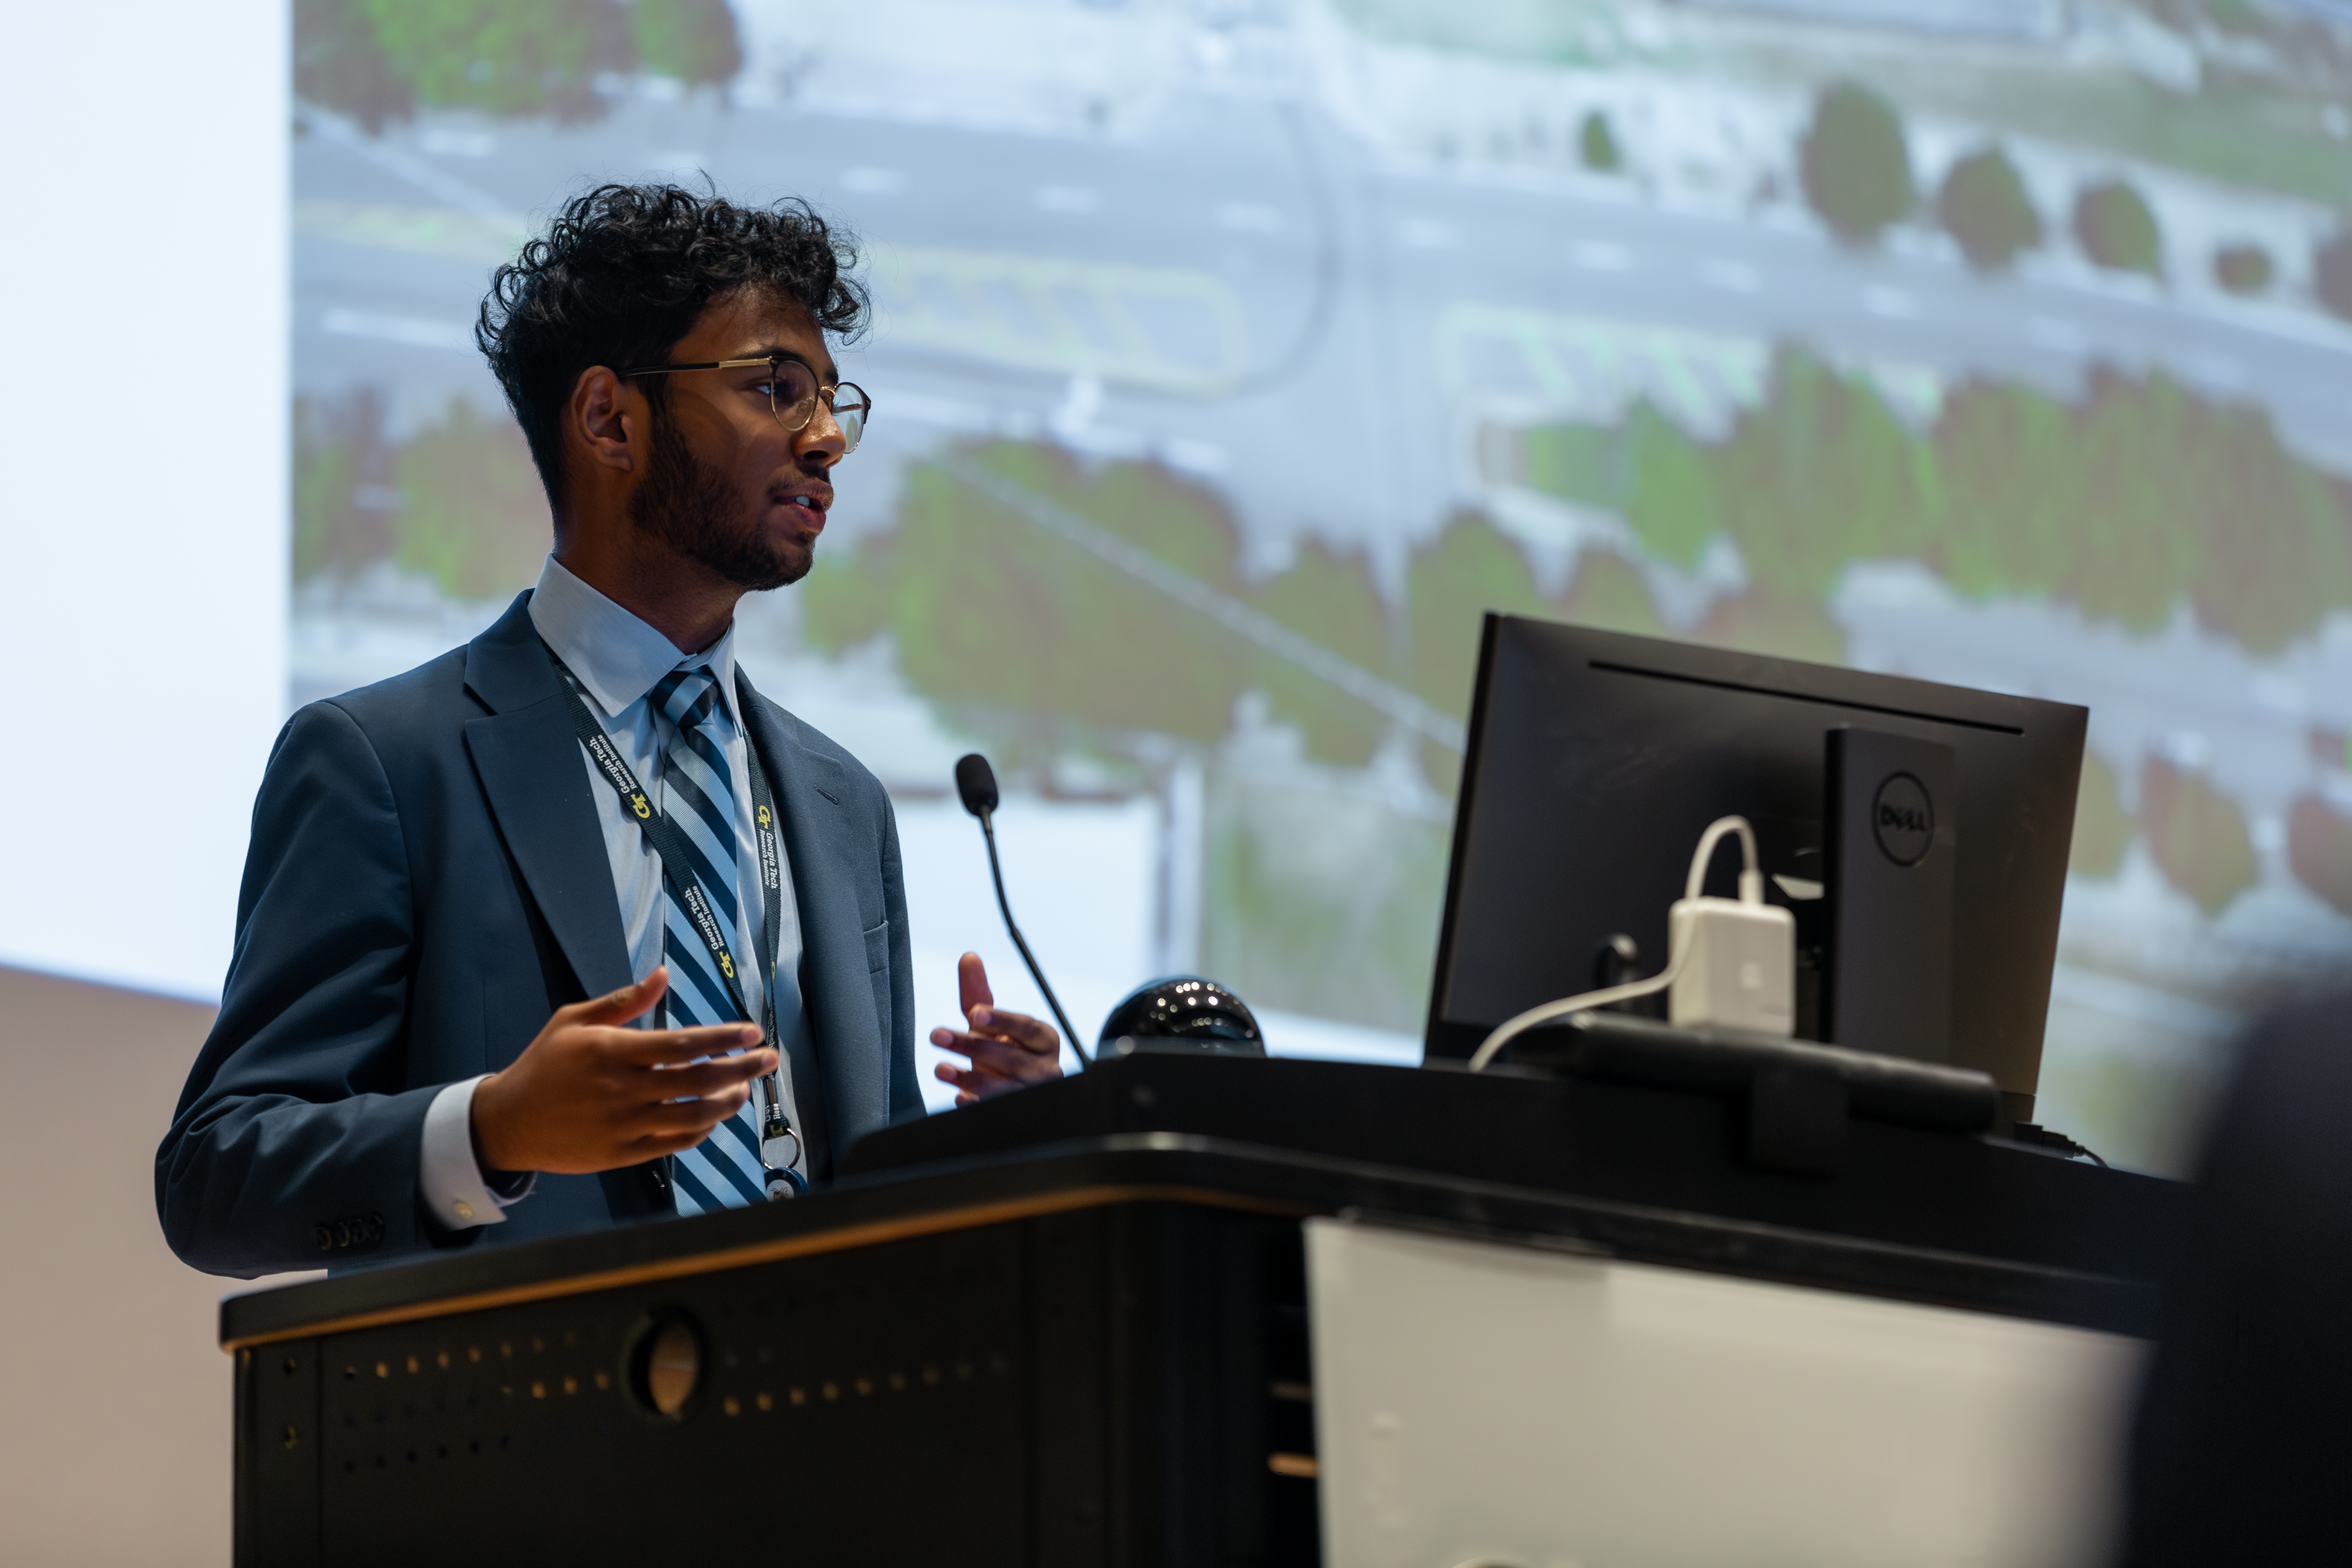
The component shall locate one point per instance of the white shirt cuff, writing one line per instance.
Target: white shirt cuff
(454, 1188)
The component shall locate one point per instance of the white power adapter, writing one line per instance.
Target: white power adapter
(1733, 961)
(1738, 966)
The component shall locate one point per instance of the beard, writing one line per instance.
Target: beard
(689, 506)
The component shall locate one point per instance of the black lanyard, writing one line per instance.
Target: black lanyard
(677, 871)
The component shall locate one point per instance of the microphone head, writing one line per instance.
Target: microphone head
(976, 783)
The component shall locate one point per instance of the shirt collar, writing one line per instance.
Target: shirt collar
(617, 657)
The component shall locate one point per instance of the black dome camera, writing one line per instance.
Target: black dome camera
(1182, 1014)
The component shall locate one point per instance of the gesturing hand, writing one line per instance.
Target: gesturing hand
(1006, 1049)
(588, 1095)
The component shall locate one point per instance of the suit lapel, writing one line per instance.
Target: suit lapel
(528, 763)
(811, 797)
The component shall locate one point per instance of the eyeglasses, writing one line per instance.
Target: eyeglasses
(792, 394)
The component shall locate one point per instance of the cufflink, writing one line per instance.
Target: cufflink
(464, 1209)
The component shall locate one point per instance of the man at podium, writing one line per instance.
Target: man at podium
(571, 926)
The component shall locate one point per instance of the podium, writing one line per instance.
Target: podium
(1185, 1309)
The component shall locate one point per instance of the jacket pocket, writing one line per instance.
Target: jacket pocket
(877, 948)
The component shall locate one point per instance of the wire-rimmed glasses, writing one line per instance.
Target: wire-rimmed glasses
(793, 394)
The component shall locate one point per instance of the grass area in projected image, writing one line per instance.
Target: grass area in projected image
(1230, 359)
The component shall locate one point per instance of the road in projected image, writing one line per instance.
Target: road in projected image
(1231, 359)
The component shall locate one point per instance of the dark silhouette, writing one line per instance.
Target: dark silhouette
(2244, 1431)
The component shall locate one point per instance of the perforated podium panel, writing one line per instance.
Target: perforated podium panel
(1104, 1383)
(1089, 1345)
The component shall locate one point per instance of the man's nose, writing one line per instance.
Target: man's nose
(820, 443)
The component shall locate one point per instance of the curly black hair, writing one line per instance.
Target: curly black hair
(622, 273)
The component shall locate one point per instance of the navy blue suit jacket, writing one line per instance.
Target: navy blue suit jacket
(426, 883)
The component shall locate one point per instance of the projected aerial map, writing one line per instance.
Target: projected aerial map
(1232, 355)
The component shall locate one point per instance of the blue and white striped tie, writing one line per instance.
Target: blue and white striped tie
(698, 789)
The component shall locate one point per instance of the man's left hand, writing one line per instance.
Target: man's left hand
(1006, 1049)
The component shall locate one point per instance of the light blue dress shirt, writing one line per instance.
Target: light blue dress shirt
(617, 659)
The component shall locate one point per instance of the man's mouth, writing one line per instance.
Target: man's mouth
(810, 504)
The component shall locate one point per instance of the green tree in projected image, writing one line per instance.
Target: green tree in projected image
(2244, 269)
(472, 516)
(1984, 207)
(2197, 836)
(2138, 498)
(339, 63)
(1320, 902)
(2118, 229)
(1596, 144)
(378, 60)
(2331, 274)
(1855, 164)
(504, 57)
(958, 570)
(2102, 829)
(693, 40)
(343, 495)
(2319, 851)
(458, 503)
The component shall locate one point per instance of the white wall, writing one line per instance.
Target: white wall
(115, 1399)
(144, 498)
(1485, 1402)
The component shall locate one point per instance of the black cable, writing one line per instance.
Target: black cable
(987, 832)
(2072, 1149)
(2042, 1137)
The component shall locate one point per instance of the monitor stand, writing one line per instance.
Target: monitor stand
(1890, 842)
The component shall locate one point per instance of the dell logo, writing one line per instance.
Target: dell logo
(1904, 818)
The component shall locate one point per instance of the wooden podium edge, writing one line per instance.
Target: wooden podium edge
(868, 1234)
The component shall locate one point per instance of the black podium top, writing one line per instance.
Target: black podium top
(1619, 1169)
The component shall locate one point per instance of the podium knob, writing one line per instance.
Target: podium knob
(665, 1367)
(673, 1369)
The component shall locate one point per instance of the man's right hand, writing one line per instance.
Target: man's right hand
(589, 1095)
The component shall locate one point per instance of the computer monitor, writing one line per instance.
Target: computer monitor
(1596, 760)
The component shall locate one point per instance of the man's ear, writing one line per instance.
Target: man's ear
(607, 419)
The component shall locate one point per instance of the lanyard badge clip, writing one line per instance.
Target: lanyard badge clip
(780, 1146)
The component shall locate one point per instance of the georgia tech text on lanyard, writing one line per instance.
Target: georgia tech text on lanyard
(780, 1145)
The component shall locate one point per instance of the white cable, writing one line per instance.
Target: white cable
(1751, 874)
(1751, 892)
(1545, 1013)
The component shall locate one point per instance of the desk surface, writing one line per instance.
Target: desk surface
(1616, 1170)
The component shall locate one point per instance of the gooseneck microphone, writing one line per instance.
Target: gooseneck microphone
(976, 786)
